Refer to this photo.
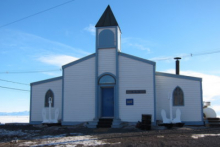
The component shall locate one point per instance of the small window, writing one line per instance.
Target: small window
(106, 39)
(178, 98)
(47, 96)
(107, 79)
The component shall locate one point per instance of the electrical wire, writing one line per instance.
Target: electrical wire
(36, 13)
(199, 54)
(13, 82)
(168, 58)
(189, 55)
(17, 72)
(14, 88)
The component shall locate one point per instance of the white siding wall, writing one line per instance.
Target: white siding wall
(119, 40)
(107, 61)
(38, 98)
(135, 75)
(191, 111)
(79, 91)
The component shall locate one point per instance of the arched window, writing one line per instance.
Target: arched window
(106, 38)
(47, 96)
(178, 97)
(107, 79)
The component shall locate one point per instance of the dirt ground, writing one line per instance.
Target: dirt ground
(42, 135)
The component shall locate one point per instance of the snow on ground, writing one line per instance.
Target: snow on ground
(14, 119)
(32, 138)
(85, 140)
(62, 139)
(196, 136)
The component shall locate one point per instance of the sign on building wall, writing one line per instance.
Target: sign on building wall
(135, 91)
(129, 102)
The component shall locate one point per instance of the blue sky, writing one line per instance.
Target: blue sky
(152, 30)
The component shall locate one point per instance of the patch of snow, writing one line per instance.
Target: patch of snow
(84, 140)
(50, 136)
(58, 140)
(28, 143)
(196, 136)
(14, 119)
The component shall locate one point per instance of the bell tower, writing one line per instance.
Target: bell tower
(108, 33)
(108, 46)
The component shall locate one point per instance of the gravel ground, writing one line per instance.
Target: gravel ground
(42, 135)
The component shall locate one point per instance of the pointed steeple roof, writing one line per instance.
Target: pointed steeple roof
(107, 19)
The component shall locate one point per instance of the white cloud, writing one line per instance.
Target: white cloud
(32, 45)
(57, 60)
(166, 58)
(90, 28)
(184, 57)
(216, 107)
(54, 74)
(210, 84)
(139, 46)
(136, 43)
(215, 72)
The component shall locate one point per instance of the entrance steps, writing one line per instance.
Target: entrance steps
(213, 122)
(105, 123)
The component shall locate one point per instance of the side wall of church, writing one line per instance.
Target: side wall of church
(79, 92)
(38, 92)
(191, 111)
(135, 75)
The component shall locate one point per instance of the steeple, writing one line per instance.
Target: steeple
(107, 19)
(108, 33)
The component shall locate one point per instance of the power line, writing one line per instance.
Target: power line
(36, 13)
(199, 54)
(168, 58)
(13, 82)
(190, 55)
(14, 88)
(17, 72)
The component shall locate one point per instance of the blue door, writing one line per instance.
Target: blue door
(107, 102)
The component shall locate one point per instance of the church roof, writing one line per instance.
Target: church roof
(107, 19)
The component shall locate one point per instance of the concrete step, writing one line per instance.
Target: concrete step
(104, 123)
(213, 122)
(213, 119)
(214, 125)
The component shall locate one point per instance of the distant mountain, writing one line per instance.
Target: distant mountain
(23, 113)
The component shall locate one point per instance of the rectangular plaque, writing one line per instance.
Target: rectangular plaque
(135, 91)
(129, 102)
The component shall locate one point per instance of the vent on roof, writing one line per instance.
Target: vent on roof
(177, 65)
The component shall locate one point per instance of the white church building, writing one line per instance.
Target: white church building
(112, 84)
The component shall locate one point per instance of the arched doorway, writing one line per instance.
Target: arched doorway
(107, 84)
